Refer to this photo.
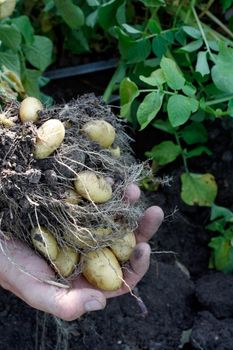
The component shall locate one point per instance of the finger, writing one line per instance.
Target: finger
(132, 193)
(149, 223)
(65, 304)
(134, 270)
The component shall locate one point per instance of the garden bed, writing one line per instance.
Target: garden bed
(189, 306)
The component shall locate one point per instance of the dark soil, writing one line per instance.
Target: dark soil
(189, 306)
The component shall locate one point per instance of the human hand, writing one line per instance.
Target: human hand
(69, 304)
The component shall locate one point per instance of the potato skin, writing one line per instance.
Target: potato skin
(28, 111)
(66, 260)
(7, 8)
(44, 241)
(49, 137)
(72, 197)
(100, 131)
(102, 269)
(89, 237)
(123, 247)
(93, 187)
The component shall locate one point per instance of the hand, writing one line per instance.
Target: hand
(69, 304)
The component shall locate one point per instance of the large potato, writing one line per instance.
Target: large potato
(102, 269)
(49, 137)
(29, 108)
(100, 131)
(88, 238)
(123, 247)
(44, 241)
(66, 260)
(92, 187)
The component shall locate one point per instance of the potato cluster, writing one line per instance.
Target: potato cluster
(95, 250)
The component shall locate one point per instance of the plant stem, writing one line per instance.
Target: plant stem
(206, 7)
(202, 33)
(219, 100)
(164, 91)
(182, 151)
(219, 23)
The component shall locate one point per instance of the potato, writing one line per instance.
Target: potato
(66, 260)
(89, 237)
(102, 269)
(44, 241)
(6, 122)
(115, 152)
(100, 131)
(123, 247)
(29, 108)
(92, 187)
(49, 137)
(7, 8)
(72, 197)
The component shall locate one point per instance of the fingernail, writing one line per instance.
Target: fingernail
(137, 253)
(93, 305)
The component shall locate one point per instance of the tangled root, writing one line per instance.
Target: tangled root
(33, 192)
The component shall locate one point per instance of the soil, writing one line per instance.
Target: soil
(189, 306)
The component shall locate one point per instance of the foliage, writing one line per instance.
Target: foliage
(221, 245)
(23, 56)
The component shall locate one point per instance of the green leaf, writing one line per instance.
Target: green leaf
(130, 29)
(71, 13)
(107, 13)
(164, 153)
(193, 46)
(230, 107)
(161, 43)
(194, 133)
(173, 76)
(10, 60)
(23, 25)
(149, 108)
(191, 31)
(189, 89)
(198, 151)
(163, 125)
(226, 4)
(219, 212)
(222, 254)
(128, 93)
(132, 51)
(156, 78)
(153, 3)
(93, 3)
(222, 72)
(179, 109)
(92, 19)
(10, 37)
(198, 189)
(202, 65)
(39, 53)
(31, 82)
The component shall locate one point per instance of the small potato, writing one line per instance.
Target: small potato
(66, 260)
(72, 197)
(100, 131)
(44, 241)
(93, 187)
(6, 122)
(102, 269)
(89, 238)
(7, 8)
(123, 247)
(29, 108)
(49, 137)
(115, 152)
